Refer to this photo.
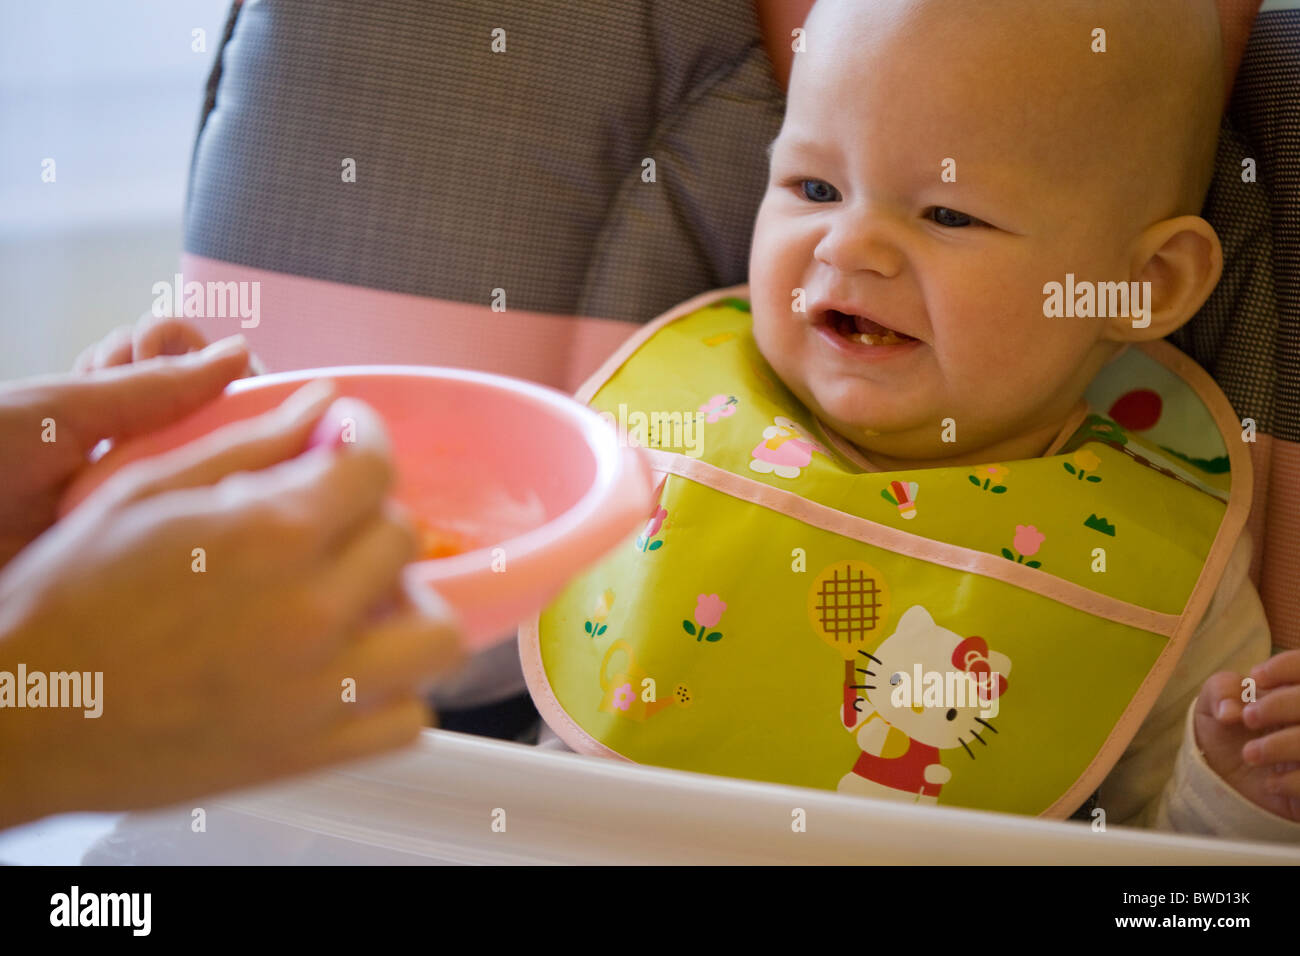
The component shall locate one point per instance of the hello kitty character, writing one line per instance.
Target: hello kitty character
(902, 728)
(786, 449)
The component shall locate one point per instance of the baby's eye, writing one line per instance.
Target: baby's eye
(818, 191)
(951, 217)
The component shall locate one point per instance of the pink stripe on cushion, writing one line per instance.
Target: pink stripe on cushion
(309, 323)
(1261, 457)
(1275, 522)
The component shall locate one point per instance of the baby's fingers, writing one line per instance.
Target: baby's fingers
(1280, 707)
(1279, 669)
(1220, 697)
(1284, 783)
(1281, 746)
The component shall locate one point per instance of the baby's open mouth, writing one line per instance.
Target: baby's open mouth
(858, 328)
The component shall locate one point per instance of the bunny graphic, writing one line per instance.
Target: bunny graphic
(901, 739)
(785, 450)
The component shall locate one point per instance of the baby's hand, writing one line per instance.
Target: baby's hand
(1255, 746)
(148, 338)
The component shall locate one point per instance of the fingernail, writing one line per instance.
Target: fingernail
(221, 348)
(1222, 709)
(363, 417)
(1251, 752)
(306, 400)
(401, 512)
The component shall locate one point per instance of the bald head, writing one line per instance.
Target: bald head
(1124, 95)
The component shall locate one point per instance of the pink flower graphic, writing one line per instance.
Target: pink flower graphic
(719, 406)
(623, 697)
(709, 610)
(1028, 540)
(646, 540)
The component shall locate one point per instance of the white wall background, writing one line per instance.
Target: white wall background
(112, 92)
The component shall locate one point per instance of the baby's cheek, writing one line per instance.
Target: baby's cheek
(985, 351)
(765, 315)
(776, 335)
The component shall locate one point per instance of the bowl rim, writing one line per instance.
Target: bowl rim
(599, 437)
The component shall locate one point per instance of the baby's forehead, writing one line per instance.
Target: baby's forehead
(1019, 64)
(1029, 49)
(1045, 85)
(897, 113)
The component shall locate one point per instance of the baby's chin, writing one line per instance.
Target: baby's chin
(859, 433)
(848, 418)
(857, 429)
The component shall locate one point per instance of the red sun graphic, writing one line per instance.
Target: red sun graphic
(1137, 410)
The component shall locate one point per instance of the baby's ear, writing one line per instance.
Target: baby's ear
(1175, 266)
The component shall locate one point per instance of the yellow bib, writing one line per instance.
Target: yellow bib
(985, 636)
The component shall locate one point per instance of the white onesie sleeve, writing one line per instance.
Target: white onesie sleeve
(1162, 780)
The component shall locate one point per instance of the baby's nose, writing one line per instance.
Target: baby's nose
(859, 244)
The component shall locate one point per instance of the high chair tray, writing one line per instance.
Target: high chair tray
(454, 798)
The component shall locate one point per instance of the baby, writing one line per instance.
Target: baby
(941, 164)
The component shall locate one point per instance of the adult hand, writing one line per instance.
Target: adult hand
(150, 337)
(49, 426)
(236, 671)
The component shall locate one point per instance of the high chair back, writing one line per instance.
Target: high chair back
(517, 203)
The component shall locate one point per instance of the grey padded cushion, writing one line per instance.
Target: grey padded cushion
(478, 170)
(1248, 334)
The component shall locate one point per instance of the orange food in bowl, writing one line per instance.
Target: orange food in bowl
(436, 542)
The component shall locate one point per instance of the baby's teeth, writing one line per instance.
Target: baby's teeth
(870, 338)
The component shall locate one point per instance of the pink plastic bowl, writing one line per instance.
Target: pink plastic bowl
(520, 467)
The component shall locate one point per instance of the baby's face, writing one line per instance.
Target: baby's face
(857, 214)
